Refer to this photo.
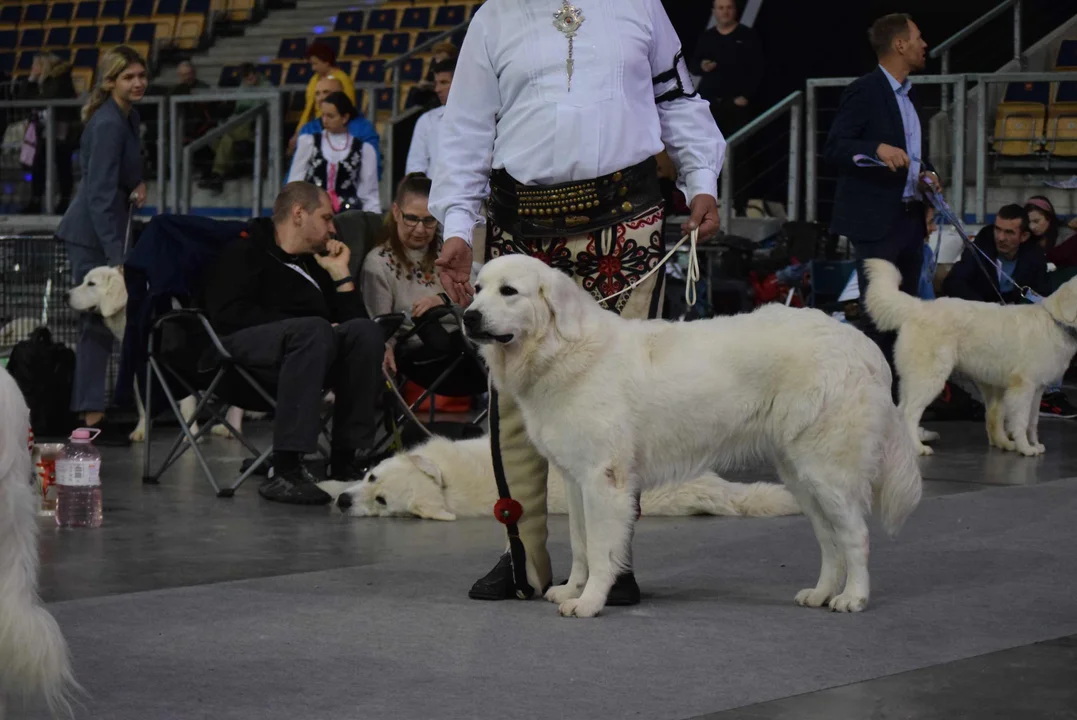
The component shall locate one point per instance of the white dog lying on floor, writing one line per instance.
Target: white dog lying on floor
(444, 480)
(103, 291)
(33, 654)
(620, 405)
(1011, 352)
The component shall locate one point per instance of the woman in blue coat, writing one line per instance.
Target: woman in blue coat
(95, 225)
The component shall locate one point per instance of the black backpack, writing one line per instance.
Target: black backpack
(45, 372)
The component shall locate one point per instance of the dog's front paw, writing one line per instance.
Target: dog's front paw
(848, 602)
(811, 597)
(223, 432)
(1006, 444)
(924, 449)
(1031, 450)
(560, 594)
(137, 435)
(581, 607)
(927, 436)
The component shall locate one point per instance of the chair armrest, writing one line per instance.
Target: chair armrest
(201, 317)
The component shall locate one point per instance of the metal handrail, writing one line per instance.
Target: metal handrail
(794, 103)
(943, 49)
(257, 114)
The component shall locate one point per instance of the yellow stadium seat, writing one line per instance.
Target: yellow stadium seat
(189, 28)
(240, 10)
(82, 79)
(165, 30)
(142, 48)
(1019, 129)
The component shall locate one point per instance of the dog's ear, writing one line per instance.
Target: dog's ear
(113, 294)
(565, 303)
(428, 468)
(1062, 303)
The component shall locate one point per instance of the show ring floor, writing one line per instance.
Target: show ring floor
(188, 606)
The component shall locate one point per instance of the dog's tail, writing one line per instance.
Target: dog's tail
(888, 306)
(711, 495)
(899, 485)
(33, 653)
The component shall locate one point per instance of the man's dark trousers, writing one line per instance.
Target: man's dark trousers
(902, 245)
(300, 358)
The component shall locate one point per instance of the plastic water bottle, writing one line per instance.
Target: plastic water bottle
(78, 481)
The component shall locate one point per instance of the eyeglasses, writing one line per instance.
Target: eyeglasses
(429, 222)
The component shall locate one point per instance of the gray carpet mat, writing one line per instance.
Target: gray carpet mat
(717, 629)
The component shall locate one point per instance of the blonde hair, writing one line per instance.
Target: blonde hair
(47, 61)
(114, 62)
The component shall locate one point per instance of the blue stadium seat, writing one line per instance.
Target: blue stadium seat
(298, 74)
(381, 20)
(140, 10)
(349, 21)
(394, 44)
(113, 10)
(88, 10)
(10, 15)
(142, 33)
(87, 58)
(61, 13)
(370, 71)
(1028, 92)
(1067, 56)
(199, 7)
(292, 48)
(1066, 92)
(58, 37)
(31, 38)
(412, 70)
(449, 16)
(359, 46)
(114, 34)
(35, 14)
(426, 36)
(383, 100)
(345, 66)
(8, 38)
(272, 72)
(229, 76)
(330, 41)
(26, 61)
(7, 62)
(169, 7)
(86, 35)
(415, 18)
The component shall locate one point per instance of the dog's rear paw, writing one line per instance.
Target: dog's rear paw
(924, 449)
(138, 434)
(222, 431)
(581, 608)
(847, 602)
(811, 597)
(560, 594)
(1031, 450)
(927, 436)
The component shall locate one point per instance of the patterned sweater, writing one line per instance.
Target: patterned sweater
(390, 287)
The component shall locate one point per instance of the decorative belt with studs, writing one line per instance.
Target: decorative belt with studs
(573, 208)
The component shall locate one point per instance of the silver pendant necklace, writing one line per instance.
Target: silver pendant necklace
(567, 20)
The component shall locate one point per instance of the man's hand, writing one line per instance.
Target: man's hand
(740, 101)
(704, 216)
(138, 195)
(389, 361)
(895, 158)
(707, 65)
(454, 270)
(930, 181)
(427, 303)
(335, 260)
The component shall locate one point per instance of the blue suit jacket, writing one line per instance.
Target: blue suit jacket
(867, 200)
(110, 158)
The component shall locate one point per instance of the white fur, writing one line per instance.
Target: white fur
(104, 291)
(444, 480)
(33, 654)
(621, 405)
(1011, 352)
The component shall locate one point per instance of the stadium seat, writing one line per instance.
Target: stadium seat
(292, 48)
(82, 79)
(272, 72)
(426, 36)
(26, 61)
(35, 14)
(299, 73)
(60, 14)
(1067, 55)
(141, 37)
(370, 71)
(449, 16)
(383, 101)
(87, 58)
(416, 18)
(229, 76)
(349, 21)
(345, 67)
(330, 41)
(382, 19)
(139, 10)
(1061, 133)
(87, 11)
(1020, 119)
(164, 28)
(114, 35)
(240, 10)
(412, 70)
(359, 46)
(168, 7)
(58, 37)
(112, 11)
(86, 36)
(31, 38)
(10, 15)
(7, 62)
(189, 30)
(8, 39)
(393, 44)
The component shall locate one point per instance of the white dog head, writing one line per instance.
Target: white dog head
(405, 485)
(102, 290)
(519, 299)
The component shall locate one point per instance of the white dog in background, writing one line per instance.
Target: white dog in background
(618, 406)
(103, 291)
(1011, 352)
(443, 480)
(33, 653)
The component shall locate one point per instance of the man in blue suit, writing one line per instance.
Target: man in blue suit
(881, 209)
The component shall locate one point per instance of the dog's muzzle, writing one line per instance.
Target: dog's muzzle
(473, 324)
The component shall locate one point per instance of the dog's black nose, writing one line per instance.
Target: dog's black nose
(344, 501)
(473, 320)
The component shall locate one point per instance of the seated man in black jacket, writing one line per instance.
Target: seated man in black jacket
(974, 277)
(289, 311)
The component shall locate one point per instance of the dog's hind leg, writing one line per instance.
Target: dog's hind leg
(609, 514)
(577, 524)
(139, 433)
(1034, 422)
(1016, 402)
(996, 425)
(832, 569)
(917, 393)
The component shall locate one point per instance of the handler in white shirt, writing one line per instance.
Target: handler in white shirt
(424, 141)
(562, 109)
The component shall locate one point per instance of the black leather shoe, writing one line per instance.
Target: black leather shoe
(625, 591)
(496, 584)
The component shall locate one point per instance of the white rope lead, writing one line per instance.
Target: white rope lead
(691, 276)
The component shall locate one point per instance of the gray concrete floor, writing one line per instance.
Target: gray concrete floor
(178, 534)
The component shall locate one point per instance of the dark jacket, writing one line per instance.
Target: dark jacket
(59, 86)
(249, 284)
(867, 200)
(974, 278)
(739, 56)
(110, 159)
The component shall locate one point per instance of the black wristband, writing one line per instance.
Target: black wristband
(445, 298)
(343, 281)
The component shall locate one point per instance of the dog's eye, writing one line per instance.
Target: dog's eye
(478, 289)
(380, 500)
(508, 291)
(90, 284)
(372, 477)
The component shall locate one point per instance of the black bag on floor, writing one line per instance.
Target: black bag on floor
(45, 372)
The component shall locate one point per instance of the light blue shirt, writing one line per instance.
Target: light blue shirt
(911, 124)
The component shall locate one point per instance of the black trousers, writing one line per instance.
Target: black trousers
(301, 358)
(903, 245)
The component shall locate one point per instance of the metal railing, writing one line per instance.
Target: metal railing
(943, 48)
(257, 115)
(793, 104)
(811, 170)
(48, 107)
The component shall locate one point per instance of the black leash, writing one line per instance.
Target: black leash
(506, 510)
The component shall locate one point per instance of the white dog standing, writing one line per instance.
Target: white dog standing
(620, 405)
(1011, 352)
(442, 480)
(33, 653)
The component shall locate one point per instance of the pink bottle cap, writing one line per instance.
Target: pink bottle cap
(84, 434)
